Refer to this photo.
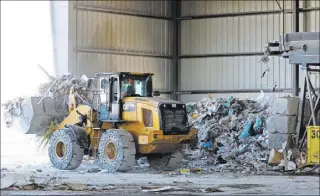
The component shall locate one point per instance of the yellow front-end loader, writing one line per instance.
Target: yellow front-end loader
(123, 119)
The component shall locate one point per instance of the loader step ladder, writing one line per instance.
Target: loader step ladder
(95, 142)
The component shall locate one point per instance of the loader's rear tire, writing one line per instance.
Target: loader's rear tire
(116, 151)
(64, 152)
(165, 162)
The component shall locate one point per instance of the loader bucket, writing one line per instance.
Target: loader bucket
(35, 117)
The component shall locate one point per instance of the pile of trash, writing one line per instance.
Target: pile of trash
(231, 134)
(57, 88)
(11, 109)
(60, 86)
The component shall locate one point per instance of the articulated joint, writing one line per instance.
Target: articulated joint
(79, 135)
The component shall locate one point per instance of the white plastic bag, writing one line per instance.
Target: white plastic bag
(263, 100)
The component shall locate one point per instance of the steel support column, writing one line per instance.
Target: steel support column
(175, 42)
(295, 77)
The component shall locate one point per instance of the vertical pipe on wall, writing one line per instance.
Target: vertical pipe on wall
(53, 34)
(295, 77)
(72, 38)
(175, 44)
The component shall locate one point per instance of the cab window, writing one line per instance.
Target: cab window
(103, 83)
(133, 86)
(115, 96)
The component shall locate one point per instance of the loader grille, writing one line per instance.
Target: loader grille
(174, 119)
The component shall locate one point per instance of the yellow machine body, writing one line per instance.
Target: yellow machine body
(148, 136)
(313, 151)
(150, 139)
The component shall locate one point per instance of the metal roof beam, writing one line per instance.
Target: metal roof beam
(122, 52)
(119, 12)
(254, 13)
(188, 56)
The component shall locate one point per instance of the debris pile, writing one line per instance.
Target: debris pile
(231, 134)
(11, 109)
(57, 88)
(60, 86)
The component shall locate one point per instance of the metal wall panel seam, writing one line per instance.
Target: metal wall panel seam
(118, 12)
(122, 52)
(255, 13)
(183, 92)
(185, 56)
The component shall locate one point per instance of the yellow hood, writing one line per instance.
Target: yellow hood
(154, 101)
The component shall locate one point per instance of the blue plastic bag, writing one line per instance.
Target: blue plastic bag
(246, 129)
(207, 144)
(258, 123)
(256, 127)
(229, 100)
(230, 112)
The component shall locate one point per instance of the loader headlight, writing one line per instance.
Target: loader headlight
(164, 105)
(155, 136)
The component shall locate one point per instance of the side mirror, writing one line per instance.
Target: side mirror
(156, 93)
(149, 87)
(90, 83)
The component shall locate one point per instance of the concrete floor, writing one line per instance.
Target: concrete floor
(131, 183)
(21, 158)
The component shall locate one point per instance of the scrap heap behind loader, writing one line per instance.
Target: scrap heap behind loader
(122, 120)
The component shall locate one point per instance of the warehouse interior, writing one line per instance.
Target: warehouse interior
(202, 53)
(174, 39)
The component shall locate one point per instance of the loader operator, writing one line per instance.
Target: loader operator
(130, 89)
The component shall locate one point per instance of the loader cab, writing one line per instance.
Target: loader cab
(113, 87)
(136, 85)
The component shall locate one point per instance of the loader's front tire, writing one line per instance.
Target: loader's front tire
(116, 151)
(165, 162)
(64, 152)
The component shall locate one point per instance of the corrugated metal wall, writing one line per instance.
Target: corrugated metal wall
(236, 34)
(93, 31)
